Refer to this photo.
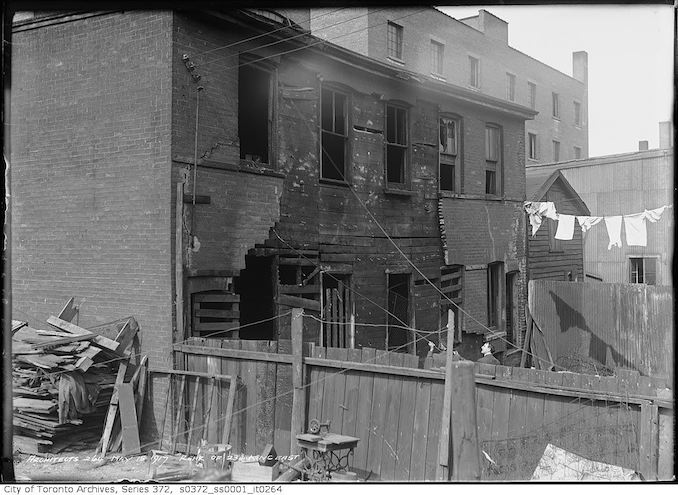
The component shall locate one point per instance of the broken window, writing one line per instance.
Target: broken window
(398, 336)
(643, 271)
(494, 278)
(450, 179)
(254, 113)
(334, 137)
(492, 160)
(396, 144)
(337, 311)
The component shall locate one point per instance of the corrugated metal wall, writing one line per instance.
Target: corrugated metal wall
(630, 325)
(622, 187)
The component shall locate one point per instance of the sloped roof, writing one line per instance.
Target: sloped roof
(539, 180)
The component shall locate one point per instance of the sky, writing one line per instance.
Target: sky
(630, 54)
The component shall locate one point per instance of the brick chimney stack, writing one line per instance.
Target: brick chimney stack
(580, 66)
(643, 145)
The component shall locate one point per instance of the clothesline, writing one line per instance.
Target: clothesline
(634, 224)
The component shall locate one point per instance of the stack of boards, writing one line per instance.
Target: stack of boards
(49, 415)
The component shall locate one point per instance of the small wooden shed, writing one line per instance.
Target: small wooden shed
(548, 257)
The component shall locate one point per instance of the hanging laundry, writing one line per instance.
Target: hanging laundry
(654, 215)
(613, 225)
(636, 232)
(536, 210)
(565, 229)
(587, 222)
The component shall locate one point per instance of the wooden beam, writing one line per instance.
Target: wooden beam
(199, 199)
(193, 373)
(99, 340)
(648, 441)
(443, 466)
(179, 263)
(228, 417)
(234, 353)
(298, 302)
(113, 407)
(298, 392)
(128, 421)
(69, 311)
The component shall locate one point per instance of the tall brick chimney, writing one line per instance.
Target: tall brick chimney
(492, 26)
(643, 145)
(665, 135)
(580, 66)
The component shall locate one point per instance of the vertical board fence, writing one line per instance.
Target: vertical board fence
(624, 325)
(395, 408)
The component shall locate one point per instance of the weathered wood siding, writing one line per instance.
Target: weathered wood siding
(627, 325)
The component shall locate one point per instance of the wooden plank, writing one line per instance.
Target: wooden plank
(69, 311)
(126, 334)
(113, 406)
(351, 394)
(528, 337)
(249, 377)
(193, 413)
(314, 395)
(406, 428)
(218, 313)
(283, 406)
(63, 341)
(434, 428)
(177, 431)
(364, 410)
(393, 403)
(180, 331)
(572, 414)
(485, 400)
(376, 368)
(199, 199)
(199, 298)
(244, 354)
(665, 465)
(518, 408)
(377, 417)
(339, 378)
(443, 469)
(266, 394)
(330, 402)
(99, 340)
(420, 438)
(228, 416)
(297, 419)
(214, 411)
(194, 373)
(128, 421)
(552, 409)
(297, 302)
(296, 289)
(649, 441)
(465, 462)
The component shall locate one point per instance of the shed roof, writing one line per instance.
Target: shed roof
(539, 180)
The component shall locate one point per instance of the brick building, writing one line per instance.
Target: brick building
(321, 191)
(473, 53)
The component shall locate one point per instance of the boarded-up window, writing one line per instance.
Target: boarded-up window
(214, 314)
(337, 310)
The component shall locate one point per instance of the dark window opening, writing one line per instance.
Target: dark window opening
(448, 147)
(337, 310)
(556, 105)
(256, 298)
(254, 113)
(643, 271)
(532, 146)
(490, 182)
(494, 277)
(492, 160)
(511, 305)
(398, 338)
(447, 177)
(556, 151)
(396, 144)
(334, 135)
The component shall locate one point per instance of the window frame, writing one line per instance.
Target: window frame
(532, 150)
(532, 94)
(494, 166)
(399, 107)
(347, 142)
(577, 152)
(495, 302)
(395, 34)
(451, 159)
(577, 113)
(555, 104)
(474, 75)
(247, 60)
(410, 336)
(510, 86)
(644, 260)
(437, 65)
(556, 150)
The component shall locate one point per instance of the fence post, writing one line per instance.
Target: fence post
(648, 448)
(465, 458)
(443, 468)
(299, 394)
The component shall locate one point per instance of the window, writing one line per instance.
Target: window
(495, 275)
(474, 77)
(254, 113)
(532, 90)
(577, 152)
(437, 53)
(395, 41)
(643, 271)
(532, 146)
(556, 105)
(577, 113)
(492, 160)
(396, 144)
(510, 87)
(450, 179)
(334, 137)
(556, 151)
(398, 299)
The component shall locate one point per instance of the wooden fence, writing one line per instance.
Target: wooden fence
(625, 325)
(396, 409)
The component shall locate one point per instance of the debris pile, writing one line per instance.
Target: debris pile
(63, 380)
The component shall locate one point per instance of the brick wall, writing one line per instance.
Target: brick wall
(90, 173)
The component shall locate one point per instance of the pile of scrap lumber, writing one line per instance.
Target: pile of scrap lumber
(63, 380)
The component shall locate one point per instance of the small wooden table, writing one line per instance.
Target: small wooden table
(327, 453)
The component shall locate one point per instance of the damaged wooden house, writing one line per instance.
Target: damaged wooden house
(207, 172)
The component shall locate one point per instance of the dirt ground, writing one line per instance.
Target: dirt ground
(84, 466)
